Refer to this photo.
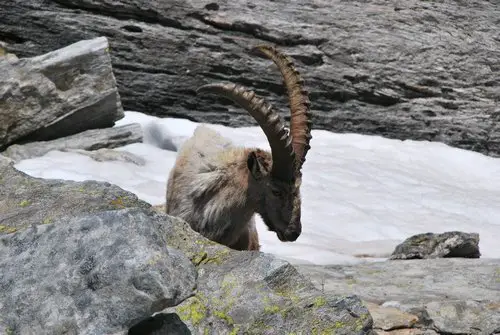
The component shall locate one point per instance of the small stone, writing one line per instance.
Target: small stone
(429, 245)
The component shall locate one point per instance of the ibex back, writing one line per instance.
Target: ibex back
(217, 187)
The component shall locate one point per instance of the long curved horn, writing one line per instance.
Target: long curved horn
(268, 119)
(300, 120)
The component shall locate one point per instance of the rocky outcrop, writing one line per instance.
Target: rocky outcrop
(60, 93)
(87, 141)
(430, 245)
(27, 201)
(445, 295)
(90, 274)
(413, 70)
(89, 258)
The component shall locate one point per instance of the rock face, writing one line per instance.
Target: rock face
(90, 274)
(255, 293)
(89, 258)
(429, 245)
(59, 93)
(412, 70)
(445, 296)
(26, 201)
(90, 140)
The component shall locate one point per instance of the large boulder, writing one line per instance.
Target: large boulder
(59, 93)
(97, 273)
(408, 70)
(87, 141)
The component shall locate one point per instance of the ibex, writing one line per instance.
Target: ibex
(217, 187)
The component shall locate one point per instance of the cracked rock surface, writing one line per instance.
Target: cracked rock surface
(90, 274)
(424, 70)
(451, 296)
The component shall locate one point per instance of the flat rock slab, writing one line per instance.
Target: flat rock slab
(90, 140)
(448, 295)
(67, 90)
(93, 274)
(409, 69)
(26, 201)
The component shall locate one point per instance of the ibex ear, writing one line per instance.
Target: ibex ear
(255, 165)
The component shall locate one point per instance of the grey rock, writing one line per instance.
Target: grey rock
(255, 293)
(430, 245)
(389, 318)
(92, 139)
(26, 201)
(448, 295)
(106, 155)
(90, 274)
(464, 317)
(419, 70)
(59, 93)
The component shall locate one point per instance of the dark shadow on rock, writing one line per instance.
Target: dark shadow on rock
(162, 323)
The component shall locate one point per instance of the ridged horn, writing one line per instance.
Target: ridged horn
(268, 119)
(300, 119)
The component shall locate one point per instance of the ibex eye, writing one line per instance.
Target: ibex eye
(276, 192)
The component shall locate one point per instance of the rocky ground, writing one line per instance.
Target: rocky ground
(411, 69)
(429, 296)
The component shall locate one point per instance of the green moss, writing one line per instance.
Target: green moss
(319, 329)
(47, 220)
(194, 311)
(360, 322)
(206, 242)
(118, 203)
(234, 331)
(202, 251)
(273, 309)
(24, 203)
(288, 294)
(204, 257)
(319, 301)
(7, 229)
(198, 258)
(222, 314)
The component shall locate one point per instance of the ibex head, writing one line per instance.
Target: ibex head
(275, 183)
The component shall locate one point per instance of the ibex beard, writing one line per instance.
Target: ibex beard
(217, 187)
